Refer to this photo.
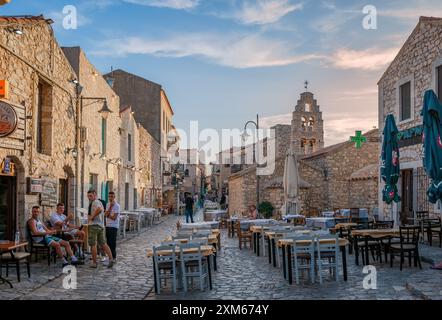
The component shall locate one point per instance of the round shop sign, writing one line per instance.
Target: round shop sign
(8, 119)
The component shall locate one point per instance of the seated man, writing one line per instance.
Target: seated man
(62, 223)
(47, 237)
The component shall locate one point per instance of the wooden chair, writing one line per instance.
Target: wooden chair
(244, 236)
(313, 213)
(14, 258)
(409, 243)
(433, 227)
(39, 248)
(354, 214)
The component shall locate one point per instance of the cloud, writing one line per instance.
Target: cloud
(370, 59)
(236, 51)
(262, 12)
(173, 4)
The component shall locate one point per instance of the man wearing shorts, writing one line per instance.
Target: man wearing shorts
(96, 229)
(62, 223)
(47, 237)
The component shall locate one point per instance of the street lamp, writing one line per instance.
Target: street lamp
(104, 111)
(245, 136)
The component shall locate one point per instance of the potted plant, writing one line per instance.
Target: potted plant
(266, 209)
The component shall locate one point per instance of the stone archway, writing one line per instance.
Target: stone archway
(67, 189)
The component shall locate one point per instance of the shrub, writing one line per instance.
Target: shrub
(266, 209)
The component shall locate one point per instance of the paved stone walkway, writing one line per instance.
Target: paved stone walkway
(240, 275)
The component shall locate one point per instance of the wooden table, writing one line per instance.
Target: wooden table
(375, 234)
(206, 251)
(5, 248)
(286, 245)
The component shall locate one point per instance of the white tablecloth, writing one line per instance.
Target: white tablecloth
(328, 214)
(323, 223)
(201, 225)
(292, 216)
(211, 215)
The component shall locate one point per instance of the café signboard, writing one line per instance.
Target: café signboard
(8, 119)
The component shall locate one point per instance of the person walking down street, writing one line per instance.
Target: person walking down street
(96, 229)
(112, 223)
(222, 202)
(189, 208)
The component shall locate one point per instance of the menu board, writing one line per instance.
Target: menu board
(49, 195)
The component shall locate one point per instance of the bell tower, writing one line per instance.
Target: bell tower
(307, 125)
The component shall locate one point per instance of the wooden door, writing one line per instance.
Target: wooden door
(407, 195)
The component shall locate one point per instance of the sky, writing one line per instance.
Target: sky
(221, 62)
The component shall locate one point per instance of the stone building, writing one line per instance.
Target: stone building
(150, 177)
(129, 170)
(193, 171)
(99, 150)
(416, 68)
(38, 105)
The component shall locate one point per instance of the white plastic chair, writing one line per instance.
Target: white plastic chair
(327, 247)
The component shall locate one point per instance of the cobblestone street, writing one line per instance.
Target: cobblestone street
(240, 275)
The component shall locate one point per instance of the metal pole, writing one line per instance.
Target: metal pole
(257, 152)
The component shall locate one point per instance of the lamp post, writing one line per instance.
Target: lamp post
(104, 112)
(255, 152)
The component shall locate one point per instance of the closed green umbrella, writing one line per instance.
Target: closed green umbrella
(390, 168)
(432, 114)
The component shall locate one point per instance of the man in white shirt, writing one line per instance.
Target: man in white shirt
(96, 229)
(112, 215)
(62, 223)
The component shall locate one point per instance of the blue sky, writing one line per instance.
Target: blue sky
(223, 61)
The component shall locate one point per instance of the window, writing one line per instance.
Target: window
(186, 173)
(405, 101)
(103, 135)
(135, 199)
(44, 118)
(93, 182)
(129, 147)
(126, 196)
(439, 82)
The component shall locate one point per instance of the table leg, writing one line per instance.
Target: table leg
(367, 262)
(214, 258)
(289, 263)
(283, 261)
(344, 262)
(154, 275)
(274, 252)
(210, 272)
(269, 250)
(257, 243)
(254, 242)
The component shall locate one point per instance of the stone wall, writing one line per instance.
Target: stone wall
(143, 96)
(363, 193)
(24, 61)
(241, 191)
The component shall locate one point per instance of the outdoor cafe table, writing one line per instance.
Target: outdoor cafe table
(5, 247)
(148, 213)
(290, 217)
(373, 234)
(257, 231)
(323, 223)
(232, 221)
(206, 251)
(213, 215)
(271, 241)
(286, 245)
(201, 225)
(344, 225)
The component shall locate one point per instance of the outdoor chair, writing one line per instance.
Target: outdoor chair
(409, 243)
(244, 235)
(354, 214)
(327, 248)
(373, 245)
(39, 248)
(345, 233)
(13, 259)
(303, 256)
(433, 228)
(123, 225)
(384, 224)
(165, 266)
(193, 265)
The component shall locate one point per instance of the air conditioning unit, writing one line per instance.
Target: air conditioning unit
(83, 134)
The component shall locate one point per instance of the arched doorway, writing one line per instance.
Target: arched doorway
(12, 184)
(66, 192)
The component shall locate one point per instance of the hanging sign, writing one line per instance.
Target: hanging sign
(4, 89)
(8, 119)
(7, 167)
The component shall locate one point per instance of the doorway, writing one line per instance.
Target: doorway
(407, 195)
(7, 207)
(63, 193)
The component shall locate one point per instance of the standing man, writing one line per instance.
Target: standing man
(96, 229)
(112, 223)
(189, 208)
